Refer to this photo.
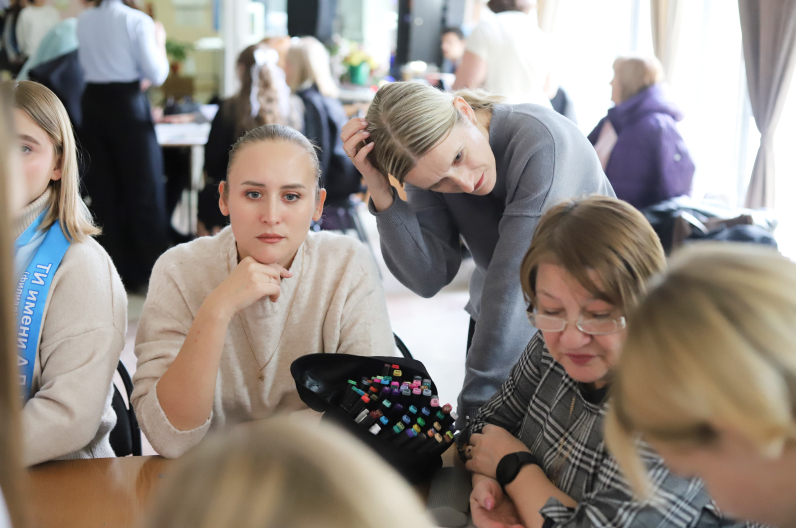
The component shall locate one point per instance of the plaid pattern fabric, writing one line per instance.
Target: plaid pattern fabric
(543, 407)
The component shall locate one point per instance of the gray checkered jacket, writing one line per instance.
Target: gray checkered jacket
(534, 405)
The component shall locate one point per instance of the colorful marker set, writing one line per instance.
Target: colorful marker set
(402, 410)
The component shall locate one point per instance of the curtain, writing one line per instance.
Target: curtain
(768, 31)
(546, 13)
(666, 17)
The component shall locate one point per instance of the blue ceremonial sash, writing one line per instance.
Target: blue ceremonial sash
(31, 295)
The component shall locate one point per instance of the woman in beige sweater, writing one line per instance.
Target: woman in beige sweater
(68, 357)
(226, 315)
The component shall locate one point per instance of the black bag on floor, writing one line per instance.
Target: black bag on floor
(321, 380)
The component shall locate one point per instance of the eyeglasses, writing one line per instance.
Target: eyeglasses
(548, 323)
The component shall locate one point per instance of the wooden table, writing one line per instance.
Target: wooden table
(107, 492)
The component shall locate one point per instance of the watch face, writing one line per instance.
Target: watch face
(507, 469)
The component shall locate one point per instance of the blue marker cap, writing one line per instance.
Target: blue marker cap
(405, 419)
(384, 421)
(361, 393)
(425, 412)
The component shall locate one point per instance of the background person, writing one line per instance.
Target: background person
(537, 449)
(34, 22)
(715, 397)
(263, 99)
(639, 146)
(66, 377)
(310, 77)
(285, 473)
(508, 55)
(119, 47)
(453, 45)
(225, 316)
(480, 170)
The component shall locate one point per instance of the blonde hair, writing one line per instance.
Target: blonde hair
(310, 60)
(636, 74)
(66, 205)
(287, 473)
(607, 236)
(712, 342)
(12, 476)
(407, 119)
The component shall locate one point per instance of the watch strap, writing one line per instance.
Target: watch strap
(510, 465)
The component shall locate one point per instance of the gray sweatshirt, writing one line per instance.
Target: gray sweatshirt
(542, 159)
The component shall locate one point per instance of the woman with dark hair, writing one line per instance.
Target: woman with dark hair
(263, 99)
(121, 49)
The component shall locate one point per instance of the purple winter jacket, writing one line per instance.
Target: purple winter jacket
(650, 162)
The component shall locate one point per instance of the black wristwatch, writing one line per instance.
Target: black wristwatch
(510, 466)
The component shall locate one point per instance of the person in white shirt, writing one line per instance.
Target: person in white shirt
(34, 22)
(121, 49)
(508, 54)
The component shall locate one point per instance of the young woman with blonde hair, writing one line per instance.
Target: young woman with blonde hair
(708, 377)
(309, 76)
(536, 449)
(225, 316)
(477, 170)
(285, 473)
(71, 305)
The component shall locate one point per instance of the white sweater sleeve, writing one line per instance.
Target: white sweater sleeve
(164, 325)
(82, 339)
(364, 328)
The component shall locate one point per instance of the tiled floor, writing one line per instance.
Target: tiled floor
(434, 330)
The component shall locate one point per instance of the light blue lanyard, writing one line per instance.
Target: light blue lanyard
(30, 296)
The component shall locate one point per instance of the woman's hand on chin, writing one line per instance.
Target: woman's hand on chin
(487, 448)
(249, 282)
(353, 134)
(491, 508)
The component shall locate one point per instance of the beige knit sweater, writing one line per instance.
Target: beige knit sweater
(339, 308)
(85, 318)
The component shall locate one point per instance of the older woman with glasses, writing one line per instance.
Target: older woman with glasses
(536, 449)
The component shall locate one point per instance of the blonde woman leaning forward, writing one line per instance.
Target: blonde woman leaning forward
(71, 305)
(285, 473)
(536, 449)
(474, 169)
(225, 316)
(708, 377)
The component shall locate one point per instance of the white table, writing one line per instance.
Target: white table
(193, 135)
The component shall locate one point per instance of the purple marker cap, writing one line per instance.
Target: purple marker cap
(411, 433)
(385, 392)
(397, 408)
(395, 392)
